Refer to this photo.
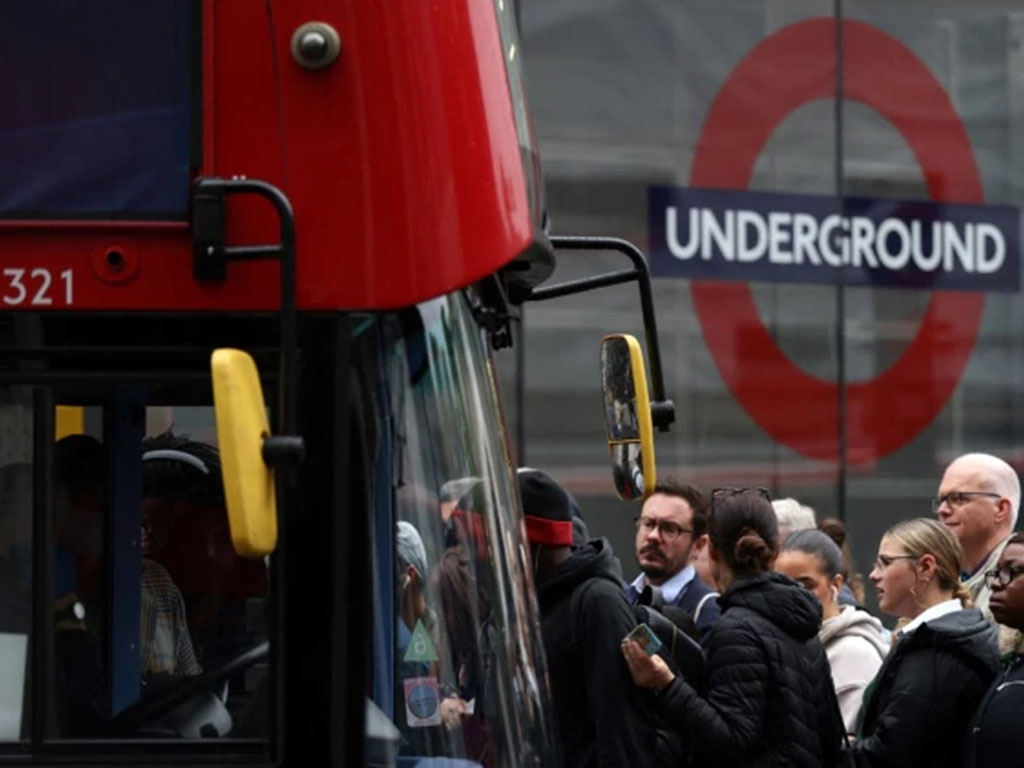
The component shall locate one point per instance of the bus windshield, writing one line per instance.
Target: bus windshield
(458, 665)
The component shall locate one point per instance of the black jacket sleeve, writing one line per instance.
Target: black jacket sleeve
(913, 713)
(729, 721)
(620, 710)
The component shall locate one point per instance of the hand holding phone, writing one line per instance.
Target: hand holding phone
(644, 636)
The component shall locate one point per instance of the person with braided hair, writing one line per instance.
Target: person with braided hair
(917, 709)
(769, 698)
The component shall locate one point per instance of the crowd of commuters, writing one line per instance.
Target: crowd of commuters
(797, 671)
(771, 658)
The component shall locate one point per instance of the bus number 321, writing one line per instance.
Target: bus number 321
(34, 287)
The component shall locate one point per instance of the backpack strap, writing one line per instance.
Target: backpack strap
(700, 605)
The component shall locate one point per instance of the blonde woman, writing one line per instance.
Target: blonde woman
(916, 710)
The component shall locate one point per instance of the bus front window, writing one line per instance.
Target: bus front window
(458, 662)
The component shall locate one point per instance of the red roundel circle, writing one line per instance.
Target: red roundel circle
(792, 67)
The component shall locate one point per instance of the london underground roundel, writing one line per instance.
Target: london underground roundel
(794, 66)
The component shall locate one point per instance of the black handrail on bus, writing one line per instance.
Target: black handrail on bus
(210, 259)
(663, 410)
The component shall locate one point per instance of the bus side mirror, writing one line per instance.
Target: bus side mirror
(242, 428)
(627, 407)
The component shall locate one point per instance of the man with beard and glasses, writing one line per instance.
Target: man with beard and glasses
(671, 521)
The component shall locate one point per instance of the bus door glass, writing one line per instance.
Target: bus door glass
(458, 664)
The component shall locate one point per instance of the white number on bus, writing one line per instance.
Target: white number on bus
(35, 287)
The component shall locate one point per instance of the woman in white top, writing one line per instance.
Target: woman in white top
(917, 708)
(853, 639)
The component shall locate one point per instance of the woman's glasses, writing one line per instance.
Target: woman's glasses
(1001, 577)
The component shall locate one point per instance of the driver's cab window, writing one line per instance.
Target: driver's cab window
(152, 607)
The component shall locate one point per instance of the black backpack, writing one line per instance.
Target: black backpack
(677, 632)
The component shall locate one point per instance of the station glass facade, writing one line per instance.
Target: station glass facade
(621, 92)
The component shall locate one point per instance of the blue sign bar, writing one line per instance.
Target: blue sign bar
(707, 234)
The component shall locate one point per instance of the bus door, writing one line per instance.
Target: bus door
(127, 620)
(457, 664)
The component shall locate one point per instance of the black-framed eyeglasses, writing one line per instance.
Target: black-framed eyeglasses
(717, 494)
(669, 530)
(956, 499)
(884, 561)
(1001, 577)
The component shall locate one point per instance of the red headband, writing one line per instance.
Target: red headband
(553, 533)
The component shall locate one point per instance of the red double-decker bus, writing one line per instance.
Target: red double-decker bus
(344, 200)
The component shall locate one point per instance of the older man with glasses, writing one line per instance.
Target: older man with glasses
(978, 500)
(671, 521)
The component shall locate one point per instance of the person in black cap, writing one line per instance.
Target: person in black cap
(602, 719)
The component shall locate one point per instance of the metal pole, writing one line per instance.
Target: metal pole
(520, 396)
(841, 488)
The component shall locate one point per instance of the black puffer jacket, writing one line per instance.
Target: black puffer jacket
(770, 700)
(602, 718)
(917, 710)
(994, 738)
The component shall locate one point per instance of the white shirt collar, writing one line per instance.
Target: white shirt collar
(672, 587)
(941, 609)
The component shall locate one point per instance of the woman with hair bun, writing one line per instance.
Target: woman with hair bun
(769, 698)
(917, 709)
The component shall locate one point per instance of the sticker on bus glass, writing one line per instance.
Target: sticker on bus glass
(421, 647)
(422, 702)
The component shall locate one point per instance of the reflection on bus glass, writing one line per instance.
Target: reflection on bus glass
(458, 661)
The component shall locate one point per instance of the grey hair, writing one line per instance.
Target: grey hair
(816, 544)
(793, 516)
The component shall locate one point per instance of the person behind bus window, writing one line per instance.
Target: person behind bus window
(186, 531)
(469, 676)
(769, 698)
(853, 639)
(80, 473)
(164, 640)
(917, 709)
(413, 612)
(79, 498)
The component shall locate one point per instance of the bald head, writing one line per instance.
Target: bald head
(994, 475)
(982, 497)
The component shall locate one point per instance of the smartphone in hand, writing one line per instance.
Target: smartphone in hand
(645, 637)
